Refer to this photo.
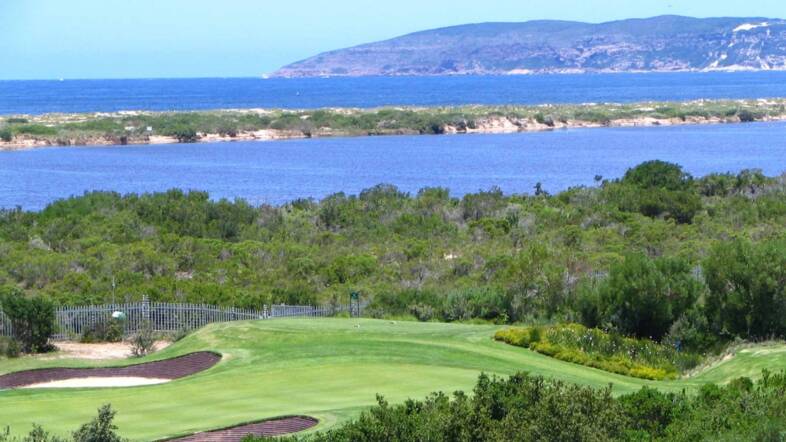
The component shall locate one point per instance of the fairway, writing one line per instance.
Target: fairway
(328, 368)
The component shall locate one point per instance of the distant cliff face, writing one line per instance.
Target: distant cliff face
(660, 44)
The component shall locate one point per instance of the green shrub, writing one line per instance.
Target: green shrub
(144, 341)
(747, 294)
(108, 330)
(32, 319)
(747, 116)
(35, 129)
(6, 135)
(183, 133)
(644, 297)
(100, 429)
(9, 347)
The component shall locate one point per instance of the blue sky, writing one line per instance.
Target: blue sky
(224, 38)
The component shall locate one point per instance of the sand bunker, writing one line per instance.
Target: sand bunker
(98, 382)
(269, 428)
(166, 370)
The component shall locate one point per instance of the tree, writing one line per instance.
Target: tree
(658, 174)
(644, 297)
(655, 189)
(32, 319)
(747, 288)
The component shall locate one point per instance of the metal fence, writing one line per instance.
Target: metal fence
(72, 322)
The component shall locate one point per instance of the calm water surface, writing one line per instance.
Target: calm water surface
(276, 172)
(36, 97)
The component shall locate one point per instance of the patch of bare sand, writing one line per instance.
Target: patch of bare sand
(99, 382)
(102, 351)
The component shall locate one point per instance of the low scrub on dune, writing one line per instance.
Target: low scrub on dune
(531, 408)
(641, 358)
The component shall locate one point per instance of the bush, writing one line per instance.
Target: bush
(6, 135)
(655, 189)
(144, 341)
(606, 351)
(9, 347)
(32, 319)
(644, 297)
(100, 429)
(747, 294)
(183, 133)
(109, 330)
(658, 174)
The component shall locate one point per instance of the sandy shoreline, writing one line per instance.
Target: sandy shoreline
(436, 121)
(496, 126)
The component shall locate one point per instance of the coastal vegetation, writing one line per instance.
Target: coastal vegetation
(656, 254)
(137, 127)
(648, 277)
(531, 408)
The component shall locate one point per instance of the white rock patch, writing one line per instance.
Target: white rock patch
(750, 26)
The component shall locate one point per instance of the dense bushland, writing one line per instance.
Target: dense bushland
(656, 254)
(529, 408)
(641, 358)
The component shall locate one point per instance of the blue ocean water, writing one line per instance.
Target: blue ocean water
(36, 97)
(279, 171)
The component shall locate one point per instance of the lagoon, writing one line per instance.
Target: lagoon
(275, 172)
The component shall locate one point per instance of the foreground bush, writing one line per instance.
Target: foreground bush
(612, 352)
(32, 319)
(100, 429)
(529, 408)
(9, 347)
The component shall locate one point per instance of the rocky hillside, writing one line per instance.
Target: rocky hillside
(660, 44)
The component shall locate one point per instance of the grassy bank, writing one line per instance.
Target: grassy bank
(328, 368)
(136, 127)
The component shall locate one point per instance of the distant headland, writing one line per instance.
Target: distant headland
(659, 44)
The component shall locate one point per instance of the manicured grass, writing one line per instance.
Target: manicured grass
(329, 369)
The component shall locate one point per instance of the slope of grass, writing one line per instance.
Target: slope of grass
(329, 369)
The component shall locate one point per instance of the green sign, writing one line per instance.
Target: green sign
(354, 296)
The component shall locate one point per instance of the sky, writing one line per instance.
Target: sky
(51, 39)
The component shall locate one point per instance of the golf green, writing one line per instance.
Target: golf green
(327, 368)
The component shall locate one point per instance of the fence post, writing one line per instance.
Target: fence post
(145, 308)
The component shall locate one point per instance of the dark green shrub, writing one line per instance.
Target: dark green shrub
(32, 319)
(747, 294)
(183, 133)
(747, 116)
(6, 135)
(644, 297)
(100, 429)
(9, 347)
(658, 174)
(108, 330)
